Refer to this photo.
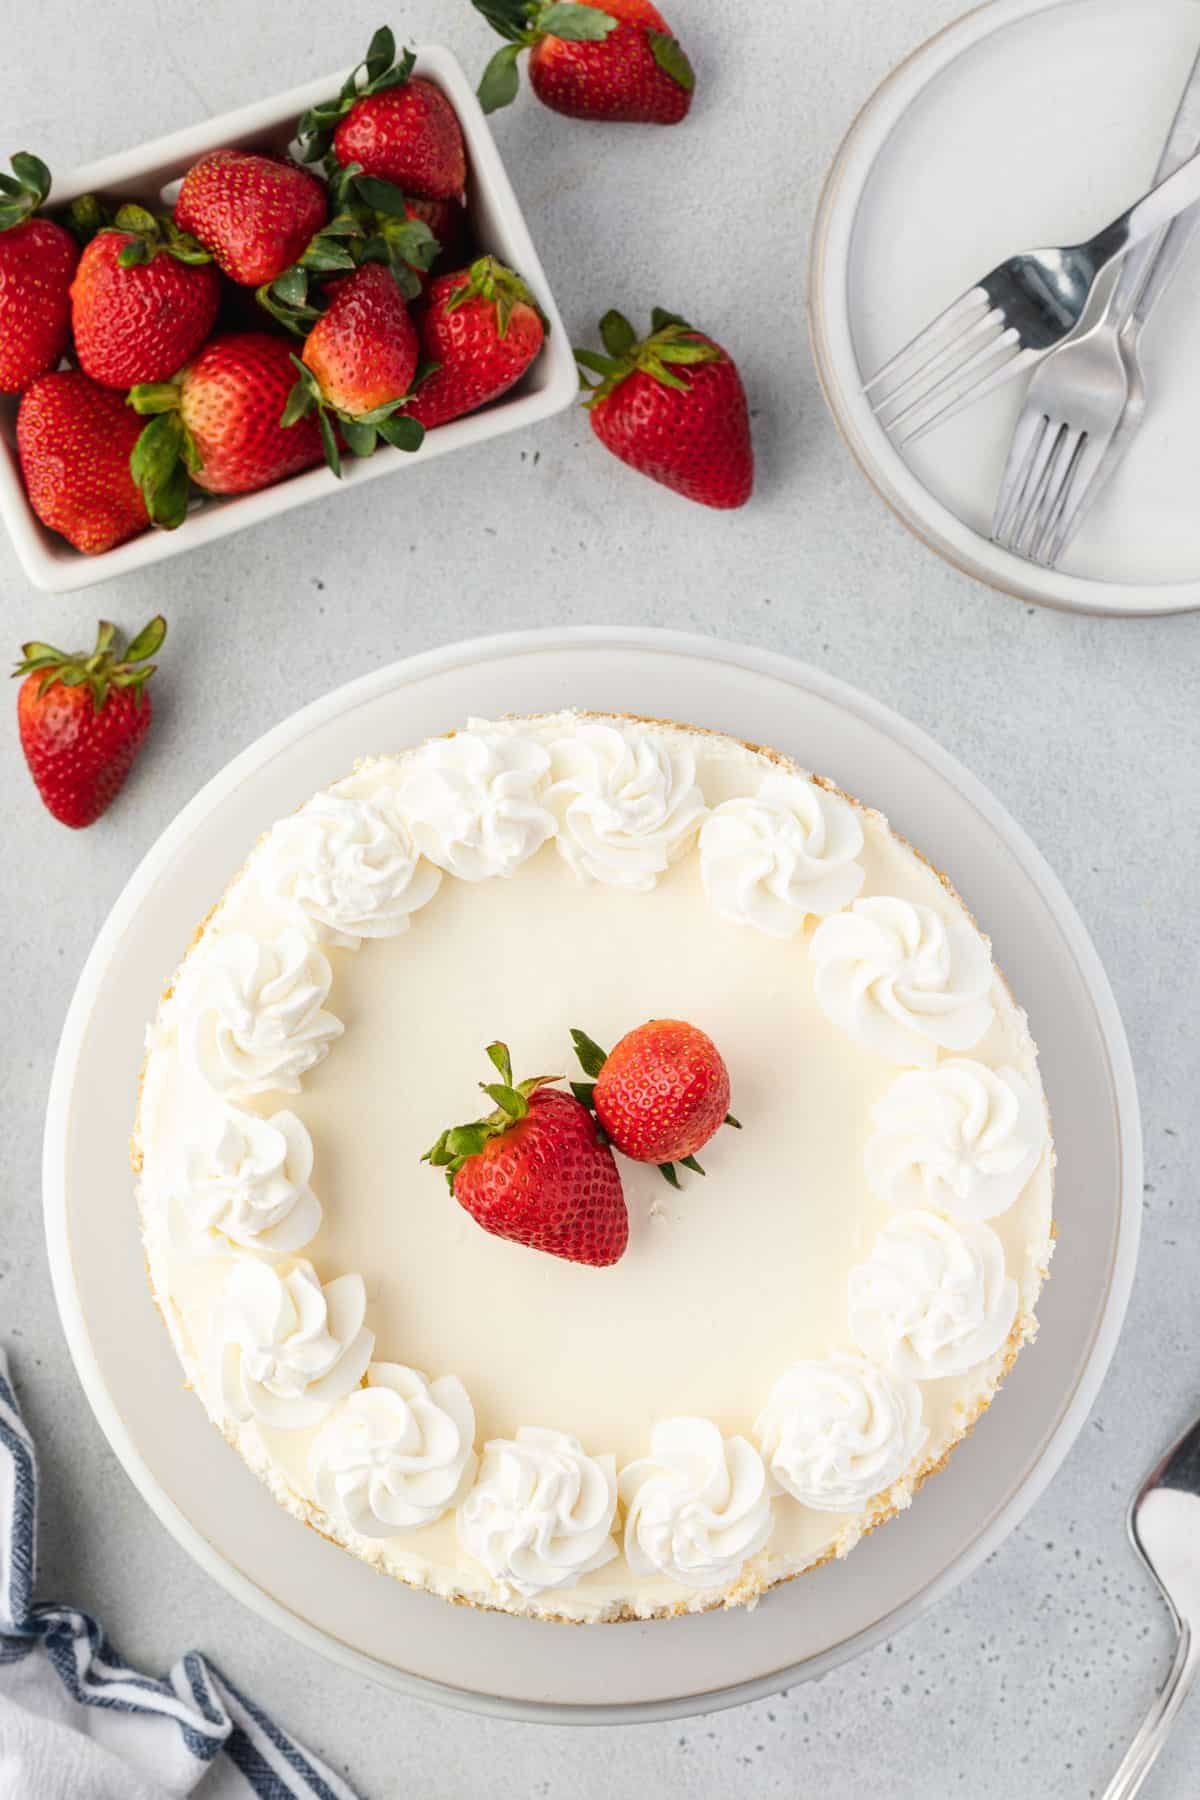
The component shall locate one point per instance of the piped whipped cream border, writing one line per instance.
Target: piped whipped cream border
(620, 805)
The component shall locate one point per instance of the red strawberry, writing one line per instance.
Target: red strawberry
(220, 423)
(363, 349)
(359, 359)
(37, 261)
(256, 214)
(537, 1172)
(482, 328)
(614, 60)
(673, 407)
(394, 125)
(74, 439)
(660, 1094)
(83, 719)
(409, 135)
(144, 299)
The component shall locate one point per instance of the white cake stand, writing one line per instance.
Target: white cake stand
(515, 1667)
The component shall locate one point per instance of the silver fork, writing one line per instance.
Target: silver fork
(1013, 318)
(1087, 401)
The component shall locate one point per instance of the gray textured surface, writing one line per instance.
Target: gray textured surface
(1029, 1679)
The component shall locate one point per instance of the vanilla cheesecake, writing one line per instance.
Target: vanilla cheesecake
(789, 1345)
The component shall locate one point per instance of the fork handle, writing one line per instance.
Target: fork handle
(1150, 267)
(1159, 207)
(1144, 1750)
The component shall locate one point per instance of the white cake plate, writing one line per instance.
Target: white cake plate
(1026, 122)
(488, 1662)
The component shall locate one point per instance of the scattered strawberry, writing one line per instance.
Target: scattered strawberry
(480, 328)
(37, 261)
(144, 299)
(616, 60)
(536, 1171)
(83, 719)
(219, 421)
(359, 360)
(392, 124)
(659, 1095)
(256, 214)
(74, 440)
(673, 407)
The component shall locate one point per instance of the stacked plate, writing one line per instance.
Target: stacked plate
(1027, 122)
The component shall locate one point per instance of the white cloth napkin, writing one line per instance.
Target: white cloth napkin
(77, 1724)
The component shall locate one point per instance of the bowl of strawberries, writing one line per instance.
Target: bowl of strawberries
(330, 285)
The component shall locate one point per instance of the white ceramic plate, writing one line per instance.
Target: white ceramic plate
(154, 169)
(412, 1641)
(1027, 122)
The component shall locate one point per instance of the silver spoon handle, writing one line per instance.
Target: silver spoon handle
(1143, 1752)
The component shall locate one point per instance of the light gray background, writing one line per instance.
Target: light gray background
(1027, 1682)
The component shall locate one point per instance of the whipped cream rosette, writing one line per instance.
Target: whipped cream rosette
(345, 868)
(782, 855)
(397, 1454)
(697, 1507)
(475, 802)
(541, 1513)
(286, 1349)
(836, 1433)
(256, 1015)
(933, 1298)
(246, 1182)
(961, 1139)
(902, 979)
(628, 805)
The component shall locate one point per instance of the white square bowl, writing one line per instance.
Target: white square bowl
(497, 224)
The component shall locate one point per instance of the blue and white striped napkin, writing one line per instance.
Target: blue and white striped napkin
(77, 1724)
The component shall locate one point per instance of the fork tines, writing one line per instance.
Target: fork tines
(1037, 485)
(966, 352)
(1049, 469)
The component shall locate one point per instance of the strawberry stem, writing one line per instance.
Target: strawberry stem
(488, 279)
(23, 192)
(461, 1142)
(103, 668)
(672, 345)
(85, 217)
(165, 454)
(591, 1057)
(151, 235)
